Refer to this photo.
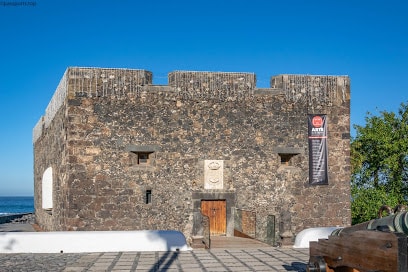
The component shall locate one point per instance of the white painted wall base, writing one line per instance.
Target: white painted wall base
(92, 241)
(312, 235)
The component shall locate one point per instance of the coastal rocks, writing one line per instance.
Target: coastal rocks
(26, 218)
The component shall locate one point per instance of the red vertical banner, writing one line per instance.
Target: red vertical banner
(317, 133)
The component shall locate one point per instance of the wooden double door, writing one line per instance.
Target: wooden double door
(216, 210)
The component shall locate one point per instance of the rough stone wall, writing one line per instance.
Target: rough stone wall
(50, 151)
(106, 122)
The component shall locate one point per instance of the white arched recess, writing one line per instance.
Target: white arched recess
(47, 189)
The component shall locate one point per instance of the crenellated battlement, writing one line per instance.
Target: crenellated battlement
(212, 85)
(309, 88)
(105, 82)
(187, 85)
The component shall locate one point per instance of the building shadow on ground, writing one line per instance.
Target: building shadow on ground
(165, 262)
(296, 266)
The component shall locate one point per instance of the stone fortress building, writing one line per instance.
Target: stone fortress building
(207, 154)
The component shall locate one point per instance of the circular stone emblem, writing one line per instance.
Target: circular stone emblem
(317, 121)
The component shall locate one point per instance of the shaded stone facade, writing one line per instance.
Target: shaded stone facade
(115, 152)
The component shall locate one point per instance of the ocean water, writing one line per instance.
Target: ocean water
(16, 204)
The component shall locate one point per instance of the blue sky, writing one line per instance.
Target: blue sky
(366, 40)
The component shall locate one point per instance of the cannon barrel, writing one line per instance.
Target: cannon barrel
(392, 223)
(385, 238)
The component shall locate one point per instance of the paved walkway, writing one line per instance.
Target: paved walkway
(226, 255)
(11, 227)
(235, 242)
(262, 259)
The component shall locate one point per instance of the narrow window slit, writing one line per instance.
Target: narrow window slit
(148, 198)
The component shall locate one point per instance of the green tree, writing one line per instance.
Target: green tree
(379, 160)
(367, 202)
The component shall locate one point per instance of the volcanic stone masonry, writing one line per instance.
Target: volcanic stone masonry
(116, 152)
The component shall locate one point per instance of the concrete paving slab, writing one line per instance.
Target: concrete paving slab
(13, 227)
(255, 257)
(266, 260)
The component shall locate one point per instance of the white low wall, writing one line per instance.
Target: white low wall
(92, 241)
(312, 235)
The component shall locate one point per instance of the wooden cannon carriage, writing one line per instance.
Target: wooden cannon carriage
(376, 245)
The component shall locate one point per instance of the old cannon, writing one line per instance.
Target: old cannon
(377, 245)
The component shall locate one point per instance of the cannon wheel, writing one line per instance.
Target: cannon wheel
(316, 264)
